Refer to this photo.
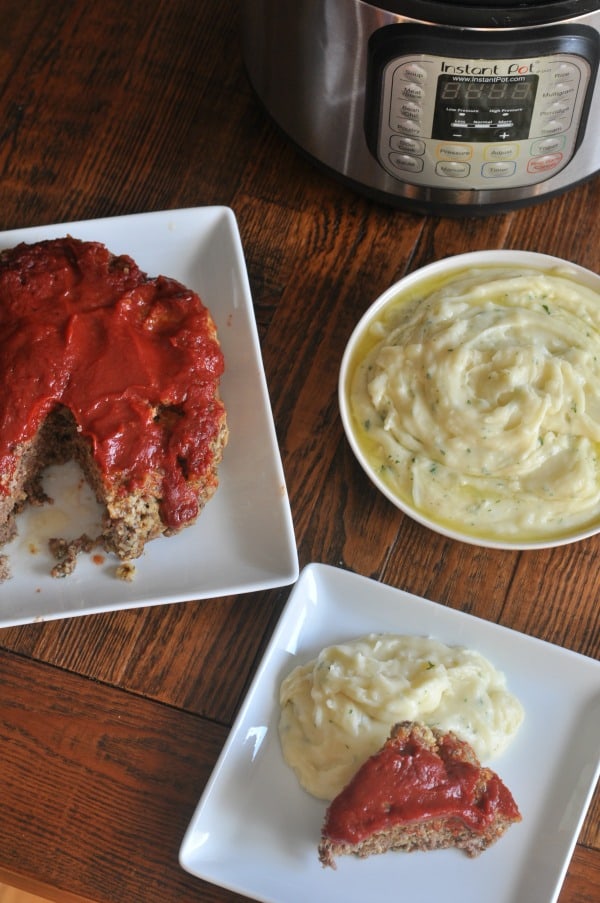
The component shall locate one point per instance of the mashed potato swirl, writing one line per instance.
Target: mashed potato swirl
(479, 403)
(337, 710)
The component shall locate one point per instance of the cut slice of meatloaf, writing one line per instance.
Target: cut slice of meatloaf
(423, 790)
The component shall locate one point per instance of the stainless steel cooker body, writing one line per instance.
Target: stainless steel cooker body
(453, 108)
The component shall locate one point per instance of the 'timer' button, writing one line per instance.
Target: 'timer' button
(498, 170)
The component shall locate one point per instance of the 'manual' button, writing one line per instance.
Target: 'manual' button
(452, 169)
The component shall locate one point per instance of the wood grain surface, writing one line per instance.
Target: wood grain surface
(110, 724)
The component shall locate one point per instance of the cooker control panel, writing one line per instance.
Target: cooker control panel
(482, 122)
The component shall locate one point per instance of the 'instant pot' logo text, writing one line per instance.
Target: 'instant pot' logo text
(501, 70)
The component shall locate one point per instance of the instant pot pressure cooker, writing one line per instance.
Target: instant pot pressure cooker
(439, 107)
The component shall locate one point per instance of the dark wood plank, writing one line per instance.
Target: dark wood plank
(98, 786)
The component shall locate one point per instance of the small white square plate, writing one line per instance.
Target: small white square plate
(244, 539)
(255, 831)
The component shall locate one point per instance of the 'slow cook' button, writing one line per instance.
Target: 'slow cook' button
(407, 145)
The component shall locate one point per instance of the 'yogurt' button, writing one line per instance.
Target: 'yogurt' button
(547, 145)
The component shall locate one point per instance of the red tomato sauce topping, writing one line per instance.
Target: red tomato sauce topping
(135, 359)
(403, 784)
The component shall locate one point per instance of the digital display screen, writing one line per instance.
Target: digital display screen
(476, 108)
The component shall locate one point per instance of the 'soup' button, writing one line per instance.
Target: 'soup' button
(413, 72)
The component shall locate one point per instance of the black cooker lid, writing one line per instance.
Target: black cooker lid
(493, 14)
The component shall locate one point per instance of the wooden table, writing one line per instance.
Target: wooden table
(110, 724)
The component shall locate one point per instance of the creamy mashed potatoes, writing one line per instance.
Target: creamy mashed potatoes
(338, 709)
(478, 402)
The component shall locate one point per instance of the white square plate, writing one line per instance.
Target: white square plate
(244, 539)
(256, 831)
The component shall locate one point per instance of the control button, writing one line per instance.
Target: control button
(406, 162)
(412, 72)
(410, 110)
(406, 145)
(546, 163)
(452, 169)
(499, 170)
(501, 152)
(411, 91)
(558, 109)
(405, 126)
(547, 145)
(454, 151)
(559, 90)
(553, 127)
(565, 72)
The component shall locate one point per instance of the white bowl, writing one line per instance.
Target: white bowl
(427, 280)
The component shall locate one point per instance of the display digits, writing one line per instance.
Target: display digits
(478, 108)
(465, 92)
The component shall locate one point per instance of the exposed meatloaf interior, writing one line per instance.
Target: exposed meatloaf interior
(116, 370)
